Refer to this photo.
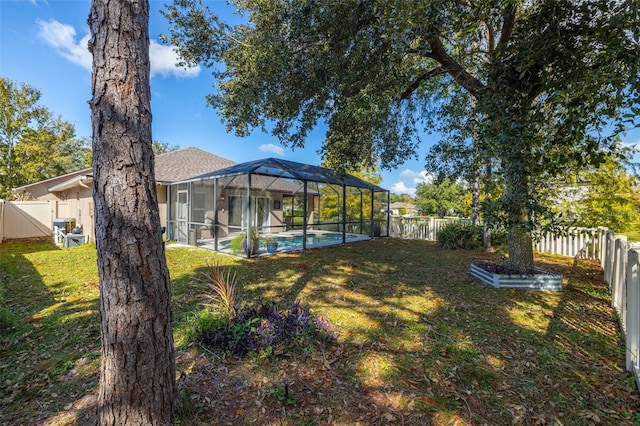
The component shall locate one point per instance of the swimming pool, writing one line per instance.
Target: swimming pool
(312, 239)
(292, 241)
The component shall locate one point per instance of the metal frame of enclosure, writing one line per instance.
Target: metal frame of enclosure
(268, 198)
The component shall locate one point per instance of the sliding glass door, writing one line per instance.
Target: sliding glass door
(260, 209)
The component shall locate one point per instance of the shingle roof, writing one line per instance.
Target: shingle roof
(291, 170)
(182, 164)
(172, 166)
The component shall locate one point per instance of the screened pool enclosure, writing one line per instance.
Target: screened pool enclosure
(274, 205)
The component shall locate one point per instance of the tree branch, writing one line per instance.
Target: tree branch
(451, 66)
(416, 83)
(508, 23)
(491, 40)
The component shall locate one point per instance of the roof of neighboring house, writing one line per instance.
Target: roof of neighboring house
(401, 205)
(55, 181)
(170, 167)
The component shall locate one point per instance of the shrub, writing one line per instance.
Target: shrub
(268, 329)
(461, 236)
(499, 238)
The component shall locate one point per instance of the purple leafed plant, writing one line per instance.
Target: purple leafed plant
(269, 328)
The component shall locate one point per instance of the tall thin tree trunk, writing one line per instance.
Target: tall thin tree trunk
(475, 167)
(137, 382)
(475, 184)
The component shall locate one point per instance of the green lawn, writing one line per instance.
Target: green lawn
(420, 341)
(633, 235)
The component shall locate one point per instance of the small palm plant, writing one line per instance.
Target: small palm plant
(221, 286)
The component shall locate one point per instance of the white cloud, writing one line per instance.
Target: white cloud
(635, 147)
(416, 177)
(275, 149)
(401, 188)
(62, 37)
(633, 144)
(408, 180)
(164, 59)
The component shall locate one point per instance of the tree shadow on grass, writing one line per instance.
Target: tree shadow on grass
(424, 343)
(49, 355)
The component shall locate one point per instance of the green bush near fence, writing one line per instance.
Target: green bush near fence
(462, 235)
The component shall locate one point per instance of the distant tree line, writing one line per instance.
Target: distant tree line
(34, 144)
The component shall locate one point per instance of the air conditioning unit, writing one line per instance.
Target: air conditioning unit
(74, 240)
(65, 225)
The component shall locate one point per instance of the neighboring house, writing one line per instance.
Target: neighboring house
(74, 192)
(401, 209)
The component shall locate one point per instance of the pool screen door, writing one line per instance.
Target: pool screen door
(182, 225)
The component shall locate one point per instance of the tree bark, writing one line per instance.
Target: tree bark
(520, 249)
(486, 232)
(475, 167)
(515, 198)
(137, 381)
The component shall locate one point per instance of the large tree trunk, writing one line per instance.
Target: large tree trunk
(137, 382)
(516, 194)
(486, 232)
(520, 249)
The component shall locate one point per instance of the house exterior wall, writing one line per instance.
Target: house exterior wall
(77, 203)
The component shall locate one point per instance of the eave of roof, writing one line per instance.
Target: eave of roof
(76, 173)
(83, 181)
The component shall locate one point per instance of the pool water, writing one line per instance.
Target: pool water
(288, 242)
(312, 239)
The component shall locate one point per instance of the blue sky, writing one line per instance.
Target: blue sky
(43, 43)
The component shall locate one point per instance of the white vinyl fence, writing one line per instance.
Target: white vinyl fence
(419, 228)
(619, 259)
(621, 263)
(30, 219)
(574, 242)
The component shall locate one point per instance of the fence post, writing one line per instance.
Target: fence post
(633, 312)
(608, 259)
(618, 277)
(1, 221)
(602, 234)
